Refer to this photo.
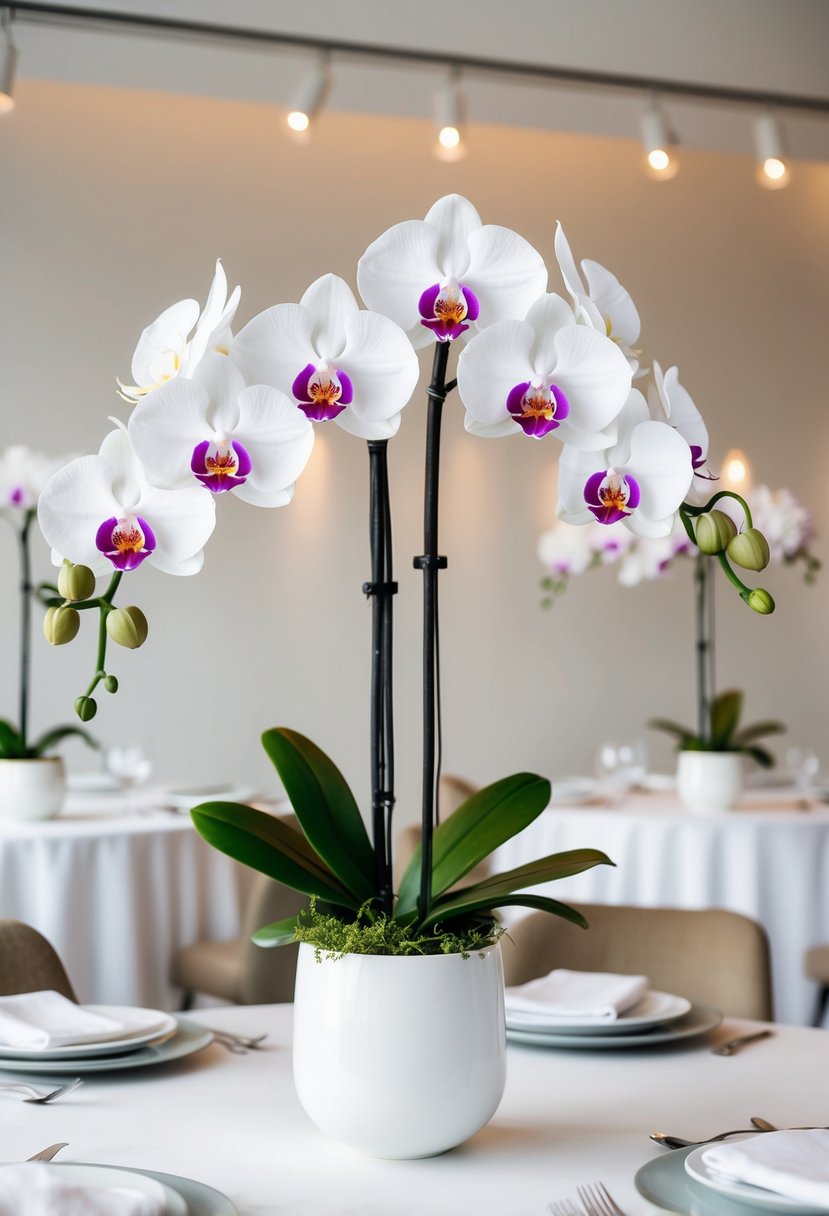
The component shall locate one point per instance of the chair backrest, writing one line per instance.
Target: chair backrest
(709, 955)
(268, 975)
(28, 963)
(452, 793)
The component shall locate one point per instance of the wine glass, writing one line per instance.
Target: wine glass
(620, 765)
(803, 765)
(130, 767)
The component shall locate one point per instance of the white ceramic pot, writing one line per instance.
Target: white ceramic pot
(709, 782)
(31, 789)
(400, 1057)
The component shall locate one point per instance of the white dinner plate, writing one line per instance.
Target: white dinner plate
(699, 1020)
(200, 1200)
(754, 1196)
(188, 1038)
(186, 797)
(106, 1177)
(140, 1026)
(92, 783)
(654, 1009)
(663, 1182)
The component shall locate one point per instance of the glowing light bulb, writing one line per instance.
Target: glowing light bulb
(656, 139)
(659, 159)
(449, 137)
(772, 170)
(298, 120)
(736, 472)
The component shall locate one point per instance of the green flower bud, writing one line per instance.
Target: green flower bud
(60, 625)
(714, 531)
(760, 601)
(76, 582)
(128, 627)
(110, 684)
(749, 549)
(86, 708)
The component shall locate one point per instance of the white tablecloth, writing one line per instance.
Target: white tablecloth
(766, 859)
(117, 892)
(567, 1117)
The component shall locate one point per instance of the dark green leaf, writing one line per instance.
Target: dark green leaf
(280, 933)
(52, 737)
(482, 823)
(264, 843)
(681, 733)
(756, 731)
(325, 807)
(725, 714)
(11, 742)
(522, 901)
(764, 758)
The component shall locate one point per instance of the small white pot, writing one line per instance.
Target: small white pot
(400, 1057)
(709, 782)
(31, 789)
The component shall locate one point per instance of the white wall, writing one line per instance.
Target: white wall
(115, 203)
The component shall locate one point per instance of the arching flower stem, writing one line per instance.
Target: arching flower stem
(26, 589)
(104, 604)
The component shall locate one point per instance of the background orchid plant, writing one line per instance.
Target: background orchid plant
(216, 412)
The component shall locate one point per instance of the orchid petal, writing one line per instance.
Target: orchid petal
(651, 529)
(73, 504)
(594, 375)
(221, 338)
(494, 430)
(574, 470)
(634, 411)
(588, 441)
(168, 332)
(223, 382)
(279, 439)
(127, 475)
(182, 520)
(505, 272)
(384, 370)
(613, 302)
(494, 362)
(275, 345)
(382, 428)
(660, 460)
(684, 414)
(264, 498)
(330, 304)
(396, 269)
(165, 427)
(210, 317)
(567, 264)
(455, 219)
(547, 316)
(192, 565)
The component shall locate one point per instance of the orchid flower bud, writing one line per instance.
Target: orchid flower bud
(714, 531)
(111, 683)
(128, 627)
(86, 708)
(760, 601)
(61, 625)
(76, 582)
(749, 549)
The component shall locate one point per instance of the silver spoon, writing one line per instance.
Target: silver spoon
(46, 1154)
(758, 1125)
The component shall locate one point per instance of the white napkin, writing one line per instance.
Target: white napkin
(570, 994)
(32, 1189)
(794, 1164)
(38, 1020)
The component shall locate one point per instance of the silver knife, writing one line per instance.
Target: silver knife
(733, 1045)
(47, 1154)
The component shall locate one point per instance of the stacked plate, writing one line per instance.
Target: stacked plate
(127, 1189)
(658, 1017)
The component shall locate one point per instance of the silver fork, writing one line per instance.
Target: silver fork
(597, 1200)
(39, 1096)
(565, 1207)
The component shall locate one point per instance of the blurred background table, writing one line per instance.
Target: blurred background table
(766, 858)
(117, 885)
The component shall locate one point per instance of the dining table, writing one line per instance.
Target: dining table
(117, 883)
(568, 1117)
(768, 858)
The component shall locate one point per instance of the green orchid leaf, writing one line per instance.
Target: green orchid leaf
(11, 742)
(264, 843)
(280, 933)
(764, 758)
(52, 737)
(485, 903)
(757, 730)
(725, 714)
(681, 733)
(325, 807)
(487, 819)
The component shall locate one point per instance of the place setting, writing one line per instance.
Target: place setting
(599, 1010)
(51, 1188)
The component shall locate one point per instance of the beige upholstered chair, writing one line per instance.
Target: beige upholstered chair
(709, 955)
(452, 793)
(28, 963)
(817, 969)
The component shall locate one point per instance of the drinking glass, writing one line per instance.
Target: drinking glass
(803, 765)
(131, 768)
(620, 765)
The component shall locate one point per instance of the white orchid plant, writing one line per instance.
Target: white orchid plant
(220, 412)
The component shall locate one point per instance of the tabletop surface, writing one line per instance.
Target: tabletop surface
(567, 1117)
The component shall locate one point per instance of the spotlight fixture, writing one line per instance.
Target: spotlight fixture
(772, 169)
(449, 117)
(8, 63)
(660, 163)
(309, 97)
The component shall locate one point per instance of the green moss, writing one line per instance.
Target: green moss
(375, 933)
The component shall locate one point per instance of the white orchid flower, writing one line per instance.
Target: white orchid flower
(601, 301)
(23, 474)
(448, 275)
(214, 431)
(669, 400)
(336, 361)
(166, 348)
(546, 373)
(101, 511)
(641, 480)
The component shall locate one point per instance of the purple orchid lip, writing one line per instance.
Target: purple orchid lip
(322, 393)
(127, 542)
(220, 466)
(611, 496)
(443, 309)
(537, 409)
(17, 498)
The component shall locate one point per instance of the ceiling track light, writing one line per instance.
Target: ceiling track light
(449, 118)
(310, 96)
(8, 63)
(660, 161)
(772, 167)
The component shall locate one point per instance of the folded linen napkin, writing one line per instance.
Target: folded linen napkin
(33, 1189)
(570, 994)
(792, 1163)
(39, 1020)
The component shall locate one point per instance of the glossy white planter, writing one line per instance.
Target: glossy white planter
(709, 782)
(400, 1057)
(31, 789)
